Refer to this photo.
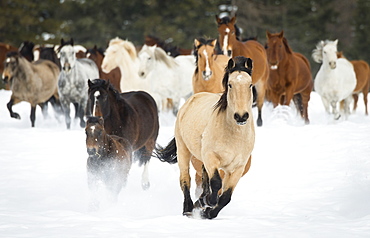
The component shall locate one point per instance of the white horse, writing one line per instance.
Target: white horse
(122, 53)
(169, 77)
(335, 80)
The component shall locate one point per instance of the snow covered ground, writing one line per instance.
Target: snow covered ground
(305, 181)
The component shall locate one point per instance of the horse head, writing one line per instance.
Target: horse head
(204, 52)
(147, 60)
(237, 98)
(98, 97)
(276, 48)
(227, 33)
(10, 65)
(94, 136)
(326, 53)
(67, 57)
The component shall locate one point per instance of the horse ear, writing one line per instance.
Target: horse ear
(233, 20)
(62, 41)
(281, 34)
(196, 43)
(101, 121)
(218, 20)
(89, 83)
(249, 63)
(214, 42)
(336, 42)
(268, 34)
(230, 64)
(71, 41)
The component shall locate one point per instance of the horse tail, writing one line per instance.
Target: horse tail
(167, 154)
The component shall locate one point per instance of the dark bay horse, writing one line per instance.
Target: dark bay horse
(290, 74)
(114, 76)
(132, 115)
(110, 157)
(34, 82)
(250, 49)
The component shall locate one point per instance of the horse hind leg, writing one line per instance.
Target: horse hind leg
(144, 155)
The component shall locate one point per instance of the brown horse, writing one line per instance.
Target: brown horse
(34, 82)
(132, 115)
(4, 49)
(218, 131)
(362, 71)
(114, 76)
(251, 49)
(209, 67)
(290, 74)
(110, 157)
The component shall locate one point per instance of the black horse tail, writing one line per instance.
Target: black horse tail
(167, 154)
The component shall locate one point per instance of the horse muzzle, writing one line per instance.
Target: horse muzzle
(206, 75)
(67, 67)
(241, 119)
(333, 64)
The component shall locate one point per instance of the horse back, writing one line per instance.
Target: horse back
(192, 120)
(48, 72)
(304, 76)
(139, 118)
(254, 50)
(362, 72)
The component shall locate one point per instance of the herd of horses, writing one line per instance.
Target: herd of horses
(122, 90)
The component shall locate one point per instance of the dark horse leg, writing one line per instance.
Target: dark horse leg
(81, 113)
(9, 106)
(33, 115)
(202, 203)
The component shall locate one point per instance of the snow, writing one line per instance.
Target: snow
(305, 181)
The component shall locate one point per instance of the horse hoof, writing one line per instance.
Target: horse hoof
(145, 186)
(337, 117)
(16, 116)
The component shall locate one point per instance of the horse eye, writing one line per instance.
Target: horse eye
(251, 85)
(230, 86)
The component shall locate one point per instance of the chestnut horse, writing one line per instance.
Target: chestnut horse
(114, 76)
(218, 131)
(251, 49)
(110, 158)
(209, 67)
(362, 71)
(290, 74)
(131, 115)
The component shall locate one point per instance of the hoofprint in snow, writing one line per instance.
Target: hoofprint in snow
(305, 181)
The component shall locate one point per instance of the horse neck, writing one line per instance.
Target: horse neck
(24, 69)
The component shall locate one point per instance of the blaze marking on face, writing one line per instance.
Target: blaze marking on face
(208, 69)
(226, 40)
(96, 95)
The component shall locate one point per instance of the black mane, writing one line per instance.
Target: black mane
(96, 84)
(239, 63)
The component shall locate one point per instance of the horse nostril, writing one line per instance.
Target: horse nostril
(241, 120)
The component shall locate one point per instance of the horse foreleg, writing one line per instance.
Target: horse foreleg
(33, 115)
(201, 202)
(67, 111)
(10, 108)
(261, 91)
(229, 182)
